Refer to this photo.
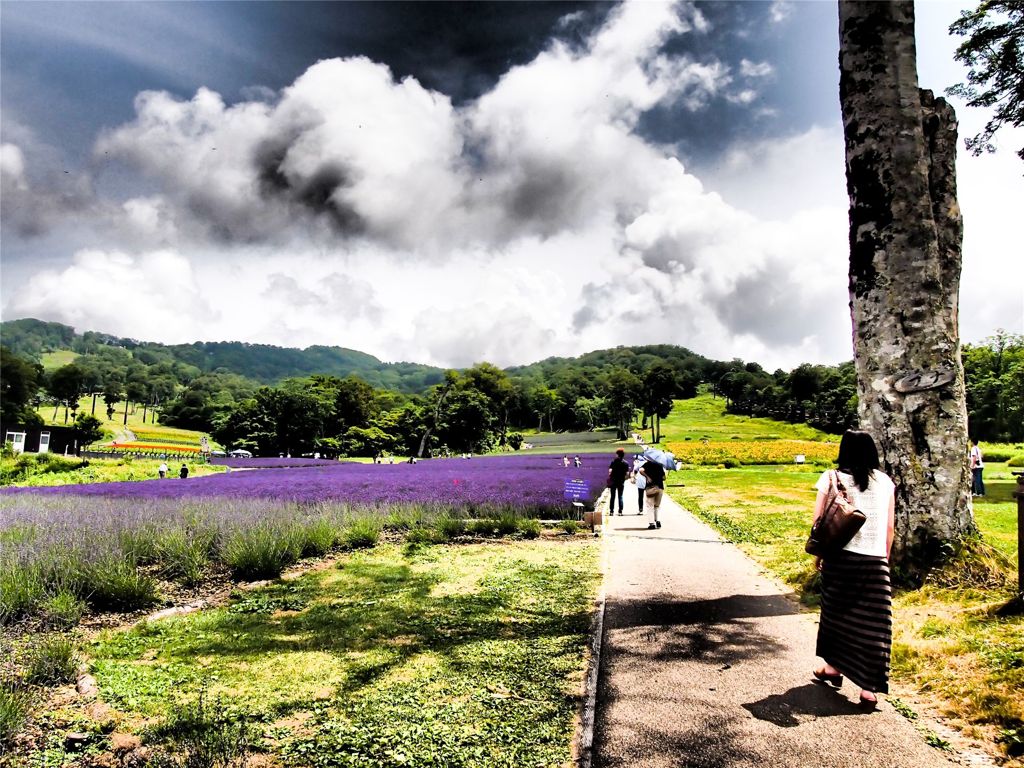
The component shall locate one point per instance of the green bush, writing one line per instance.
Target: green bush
(62, 610)
(51, 661)
(424, 535)
(507, 523)
(529, 528)
(1016, 461)
(450, 527)
(22, 588)
(403, 517)
(184, 555)
(360, 535)
(116, 584)
(570, 527)
(14, 709)
(997, 455)
(318, 537)
(260, 552)
(480, 527)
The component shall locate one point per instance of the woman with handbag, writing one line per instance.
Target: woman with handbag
(855, 628)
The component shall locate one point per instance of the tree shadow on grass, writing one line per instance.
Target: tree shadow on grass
(374, 615)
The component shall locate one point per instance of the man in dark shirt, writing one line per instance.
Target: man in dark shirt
(618, 470)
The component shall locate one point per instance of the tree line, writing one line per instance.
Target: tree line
(475, 409)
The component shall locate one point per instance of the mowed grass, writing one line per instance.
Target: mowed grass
(145, 431)
(51, 361)
(51, 469)
(950, 646)
(704, 417)
(459, 655)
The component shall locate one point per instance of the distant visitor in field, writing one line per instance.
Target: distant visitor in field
(977, 467)
(618, 471)
(654, 489)
(183, 472)
(577, 462)
(565, 461)
(162, 469)
(855, 629)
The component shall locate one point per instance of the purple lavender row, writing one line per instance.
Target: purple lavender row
(519, 481)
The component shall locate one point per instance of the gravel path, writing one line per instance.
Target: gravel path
(706, 663)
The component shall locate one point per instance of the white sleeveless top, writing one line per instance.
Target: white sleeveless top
(874, 503)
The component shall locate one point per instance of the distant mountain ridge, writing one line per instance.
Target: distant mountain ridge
(264, 363)
(268, 364)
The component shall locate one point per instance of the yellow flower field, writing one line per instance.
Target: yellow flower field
(740, 452)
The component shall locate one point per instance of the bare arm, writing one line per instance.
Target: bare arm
(891, 526)
(819, 506)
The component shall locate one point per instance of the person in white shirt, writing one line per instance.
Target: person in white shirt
(855, 627)
(162, 469)
(641, 482)
(977, 467)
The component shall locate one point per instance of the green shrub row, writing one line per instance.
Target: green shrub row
(61, 586)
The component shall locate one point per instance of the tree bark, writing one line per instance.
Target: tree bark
(905, 236)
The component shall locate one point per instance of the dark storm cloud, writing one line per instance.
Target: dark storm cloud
(318, 193)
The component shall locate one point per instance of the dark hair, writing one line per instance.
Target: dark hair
(858, 456)
(620, 453)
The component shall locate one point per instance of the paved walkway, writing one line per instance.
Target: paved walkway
(706, 663)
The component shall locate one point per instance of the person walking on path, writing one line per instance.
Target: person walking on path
(977, 467)
(654, 475)
(855, 628)
(162, 469)
(641, 483)
(183, 472)
(618, 470)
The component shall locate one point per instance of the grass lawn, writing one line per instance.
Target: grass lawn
(51, 361)
(455, 655)
(30, 470)
(144, 431)
(704, 417)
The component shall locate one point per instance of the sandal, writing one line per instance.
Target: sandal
(822, 676)
(866, 704)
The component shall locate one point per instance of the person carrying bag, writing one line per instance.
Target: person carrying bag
(851, 539)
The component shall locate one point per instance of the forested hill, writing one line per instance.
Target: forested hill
(636, 359)
(262, 363)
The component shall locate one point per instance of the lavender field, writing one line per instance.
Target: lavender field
(109, 545)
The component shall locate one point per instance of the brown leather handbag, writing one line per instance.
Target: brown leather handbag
(838, 524)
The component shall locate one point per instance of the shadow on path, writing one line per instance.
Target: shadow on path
(798, 705)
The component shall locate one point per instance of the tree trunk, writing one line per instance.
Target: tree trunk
(93, 403)
(423, 443)
(126, 413)
(905, 234)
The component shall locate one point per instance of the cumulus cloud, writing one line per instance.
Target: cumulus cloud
(151, 295)
(358, 210)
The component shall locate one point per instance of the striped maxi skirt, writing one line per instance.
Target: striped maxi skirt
(855, 628)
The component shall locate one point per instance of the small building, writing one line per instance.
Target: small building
(45, 439)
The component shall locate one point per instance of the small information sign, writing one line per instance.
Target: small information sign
(576, 489)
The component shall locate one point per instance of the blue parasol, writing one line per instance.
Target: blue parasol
(666, 459)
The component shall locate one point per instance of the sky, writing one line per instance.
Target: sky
(448, 183)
